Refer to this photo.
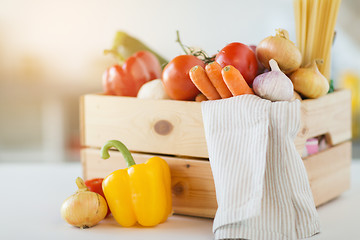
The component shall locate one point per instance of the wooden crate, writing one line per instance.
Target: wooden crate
(174, 129)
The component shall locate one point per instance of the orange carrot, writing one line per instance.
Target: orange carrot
(235, 81)
(213, 71)
(200, 97)
(202, 82)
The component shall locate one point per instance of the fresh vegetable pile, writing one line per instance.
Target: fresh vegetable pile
(270, 70)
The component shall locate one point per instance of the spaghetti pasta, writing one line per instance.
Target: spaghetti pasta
(315, 23)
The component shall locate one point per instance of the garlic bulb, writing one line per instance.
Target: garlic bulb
(281, 49)
(310, 82)
(84, 209)
(274, 85)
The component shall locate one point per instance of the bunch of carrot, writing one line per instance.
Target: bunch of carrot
(215, 82)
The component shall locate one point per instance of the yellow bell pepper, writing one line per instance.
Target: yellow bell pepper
(141, 193)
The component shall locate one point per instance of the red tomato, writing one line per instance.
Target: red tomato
(126, 80)
(176, 77)
(95, 185)
(241, 57)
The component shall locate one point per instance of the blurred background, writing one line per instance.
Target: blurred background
(51, 53)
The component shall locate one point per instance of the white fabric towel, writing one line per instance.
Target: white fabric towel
(261, 183)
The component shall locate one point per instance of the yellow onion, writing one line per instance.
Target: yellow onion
(309, 82)
(281, 49)
(84, 209)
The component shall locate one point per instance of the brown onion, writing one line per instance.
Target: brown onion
(281, 49)
(84, 209)
(309, 82)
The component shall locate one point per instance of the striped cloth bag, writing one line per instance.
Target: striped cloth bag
(261, 183)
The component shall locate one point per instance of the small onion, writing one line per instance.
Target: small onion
(153, 89)
(310, 82)
(274, 85)
(281, 49)
(84, 209)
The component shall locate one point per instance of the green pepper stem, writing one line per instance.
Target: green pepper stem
(121, 148)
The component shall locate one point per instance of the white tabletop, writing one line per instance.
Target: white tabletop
(31, 196)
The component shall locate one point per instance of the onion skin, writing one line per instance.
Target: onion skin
(296, 96)
(84, 209)
(309, 82)
(281, 49)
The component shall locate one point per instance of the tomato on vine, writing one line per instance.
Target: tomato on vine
(175, 76)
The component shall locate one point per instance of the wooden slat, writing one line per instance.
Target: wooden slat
(176, 127)
(329, 115)
(330, 186)
(152, 126)
(329, 172)
(193, 186)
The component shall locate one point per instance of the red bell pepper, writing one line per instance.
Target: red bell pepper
(127, 79)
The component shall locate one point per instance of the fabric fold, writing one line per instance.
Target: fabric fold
(236, 129)
(261, 183)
